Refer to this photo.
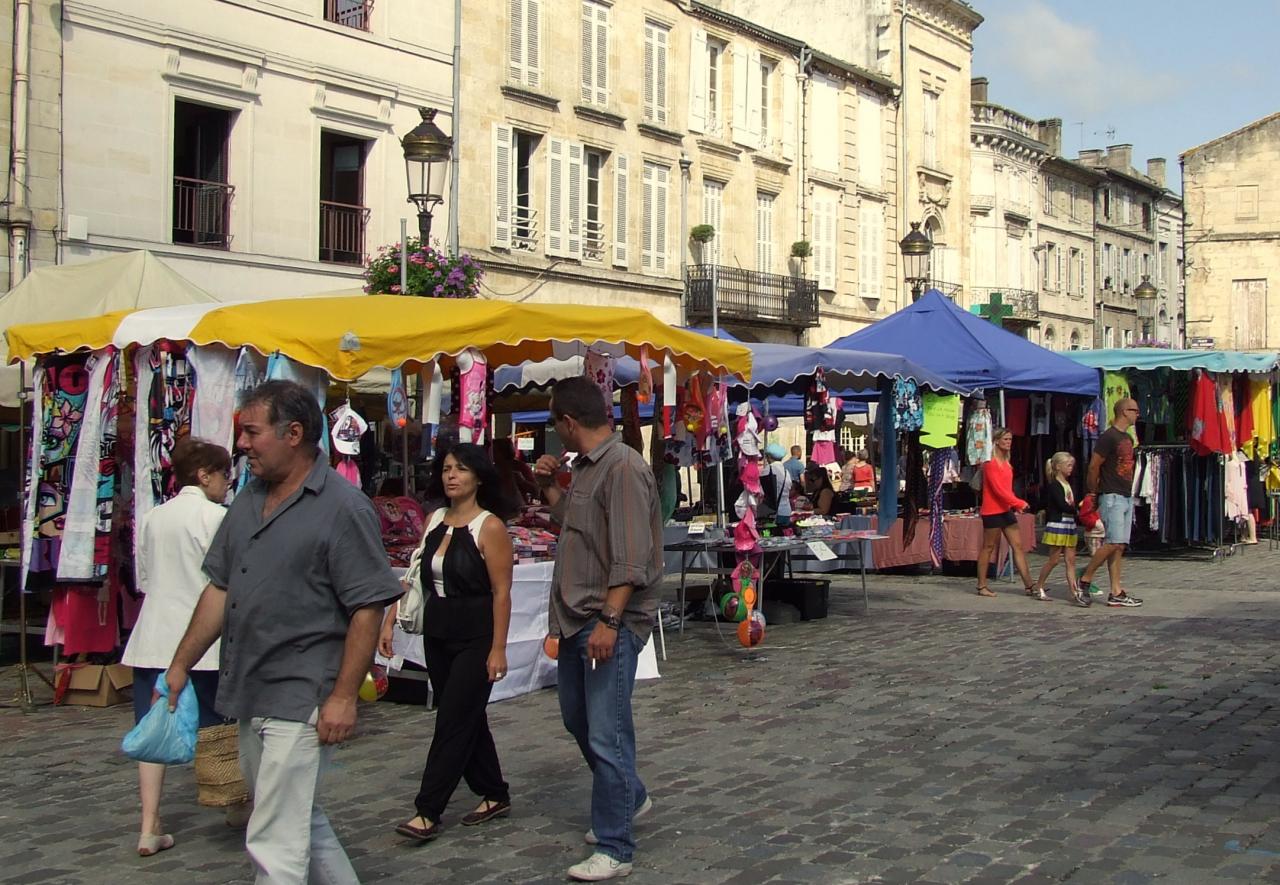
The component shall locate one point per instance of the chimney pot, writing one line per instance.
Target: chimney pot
(978, 90)
(1156, 170)
(1120, 156)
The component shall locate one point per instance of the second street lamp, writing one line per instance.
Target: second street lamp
(426, 164)
(915, 248)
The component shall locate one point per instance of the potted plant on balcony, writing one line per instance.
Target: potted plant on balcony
(800, 251)
(699, 236)
(431, 272)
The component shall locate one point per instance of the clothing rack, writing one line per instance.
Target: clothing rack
(1221, 548)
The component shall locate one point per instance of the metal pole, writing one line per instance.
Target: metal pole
(715, 333)
(404, 256)
(1003, 420)
(455, 130)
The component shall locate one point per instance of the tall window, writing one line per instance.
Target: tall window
(1013, 253)
(1108, 270)
(870, 249)
(593, 233)
(343, 215)
(515, 219)
(1162, 264)
(351, 13)
(826, 212)
(566, 197)
(524, 43)
(1049, 208)
(1127, 337)
(712, 214)
(201, 195)
(1047, 267)
(1080, 274)
(1126, 260)
(1105, 196)
(870, 142)
(653, 225)
(1108, 336)
(595, 53)
(766, 86)
(930, 111)
(1074, 283)
(764, 232)
(715, 89)
(655, 73)
(827, 131)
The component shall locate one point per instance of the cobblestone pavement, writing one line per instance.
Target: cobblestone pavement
(940, 738)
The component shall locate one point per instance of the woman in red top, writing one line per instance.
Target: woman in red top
(1000, 509)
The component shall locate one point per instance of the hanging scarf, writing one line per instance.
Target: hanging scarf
(86, 535)
(63, 392)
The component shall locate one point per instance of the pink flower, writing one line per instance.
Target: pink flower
(395, 290)
(395, 268)
(65, 420)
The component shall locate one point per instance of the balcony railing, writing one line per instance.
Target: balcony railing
(750, 296)
(1002, 118)
(524, 228)
(349, 13)
(951, 290)
(342, 232)
(593, 240)
(202, 212)
(1025, 303)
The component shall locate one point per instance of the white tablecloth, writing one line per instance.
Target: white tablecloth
(528, 669)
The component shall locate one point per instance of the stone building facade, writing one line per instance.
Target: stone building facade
(1125, 237)
(31, 135)
(253, 144)
(1169, 315)
(1233, 238)
(586, 176)
(930, 119)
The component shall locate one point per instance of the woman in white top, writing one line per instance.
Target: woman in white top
(172, 542)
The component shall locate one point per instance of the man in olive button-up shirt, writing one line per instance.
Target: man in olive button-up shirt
(604, 595)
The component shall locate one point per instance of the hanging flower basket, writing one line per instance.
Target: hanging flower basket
(431, 272)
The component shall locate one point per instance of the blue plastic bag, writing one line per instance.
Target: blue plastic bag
(163, 737)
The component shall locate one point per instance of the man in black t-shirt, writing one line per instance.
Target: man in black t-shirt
(1110, 477)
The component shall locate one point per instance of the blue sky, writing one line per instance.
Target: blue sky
(1165, 75)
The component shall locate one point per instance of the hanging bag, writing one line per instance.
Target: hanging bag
(413, 603)
(162, 736)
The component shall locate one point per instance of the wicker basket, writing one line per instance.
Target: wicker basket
(218, 777)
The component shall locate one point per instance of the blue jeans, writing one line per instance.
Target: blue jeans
(596, 708)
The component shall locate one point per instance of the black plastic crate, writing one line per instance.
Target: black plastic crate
(809, 595)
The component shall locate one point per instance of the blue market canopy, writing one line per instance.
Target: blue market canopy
(970, 351)
(778, 369)
(1146, 358)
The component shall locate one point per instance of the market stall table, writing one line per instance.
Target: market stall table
(859, 540)
(693, 553)
(961, 540)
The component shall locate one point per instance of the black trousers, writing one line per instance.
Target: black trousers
(462, 746)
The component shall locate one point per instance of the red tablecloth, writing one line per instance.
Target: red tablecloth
(961, 541)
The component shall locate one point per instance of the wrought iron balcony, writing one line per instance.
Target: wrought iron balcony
(342, 232)
(1020, 306)
(202, 212)
(351, 13)
(951, 290)
(750, 296)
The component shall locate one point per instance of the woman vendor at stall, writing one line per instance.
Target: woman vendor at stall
(818, 488)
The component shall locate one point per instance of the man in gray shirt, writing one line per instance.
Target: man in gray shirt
(297, 584)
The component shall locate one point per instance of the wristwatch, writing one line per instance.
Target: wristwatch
(613, 622)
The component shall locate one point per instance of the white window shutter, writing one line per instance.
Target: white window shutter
(588, 52)
(620, 208)
(741, 120)
(533, 43)
(502, 185)
(650, 72)
(753, 100)
(646, 217)
(516, 41)
(602, 55)
(575, 199)
(698, 75)
(556, 196)
(661, 181)
(789, 113)
(660, 73)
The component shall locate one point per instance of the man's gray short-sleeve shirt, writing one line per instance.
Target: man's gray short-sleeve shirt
(292, 581)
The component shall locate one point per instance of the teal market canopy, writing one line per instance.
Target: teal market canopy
(1147, 358)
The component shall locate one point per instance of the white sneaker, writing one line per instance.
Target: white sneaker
(645, 807)
(599, 867)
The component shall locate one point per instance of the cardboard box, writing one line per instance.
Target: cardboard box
(95, 685)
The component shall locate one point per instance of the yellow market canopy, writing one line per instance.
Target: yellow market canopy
(348, 336)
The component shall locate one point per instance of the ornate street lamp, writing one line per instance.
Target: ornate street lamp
(915, 248)
(1146, 295)
(426, 165)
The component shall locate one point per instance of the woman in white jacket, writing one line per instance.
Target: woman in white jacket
(172, 542)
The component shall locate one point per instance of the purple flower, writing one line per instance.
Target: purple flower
(439, 290)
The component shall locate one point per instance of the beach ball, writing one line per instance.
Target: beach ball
(733, 608)
(375, 685)
(751, 631)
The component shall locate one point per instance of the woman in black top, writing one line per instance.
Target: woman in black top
(466, 565)
(819, 490)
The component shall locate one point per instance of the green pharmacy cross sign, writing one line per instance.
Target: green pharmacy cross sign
(995, 309)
